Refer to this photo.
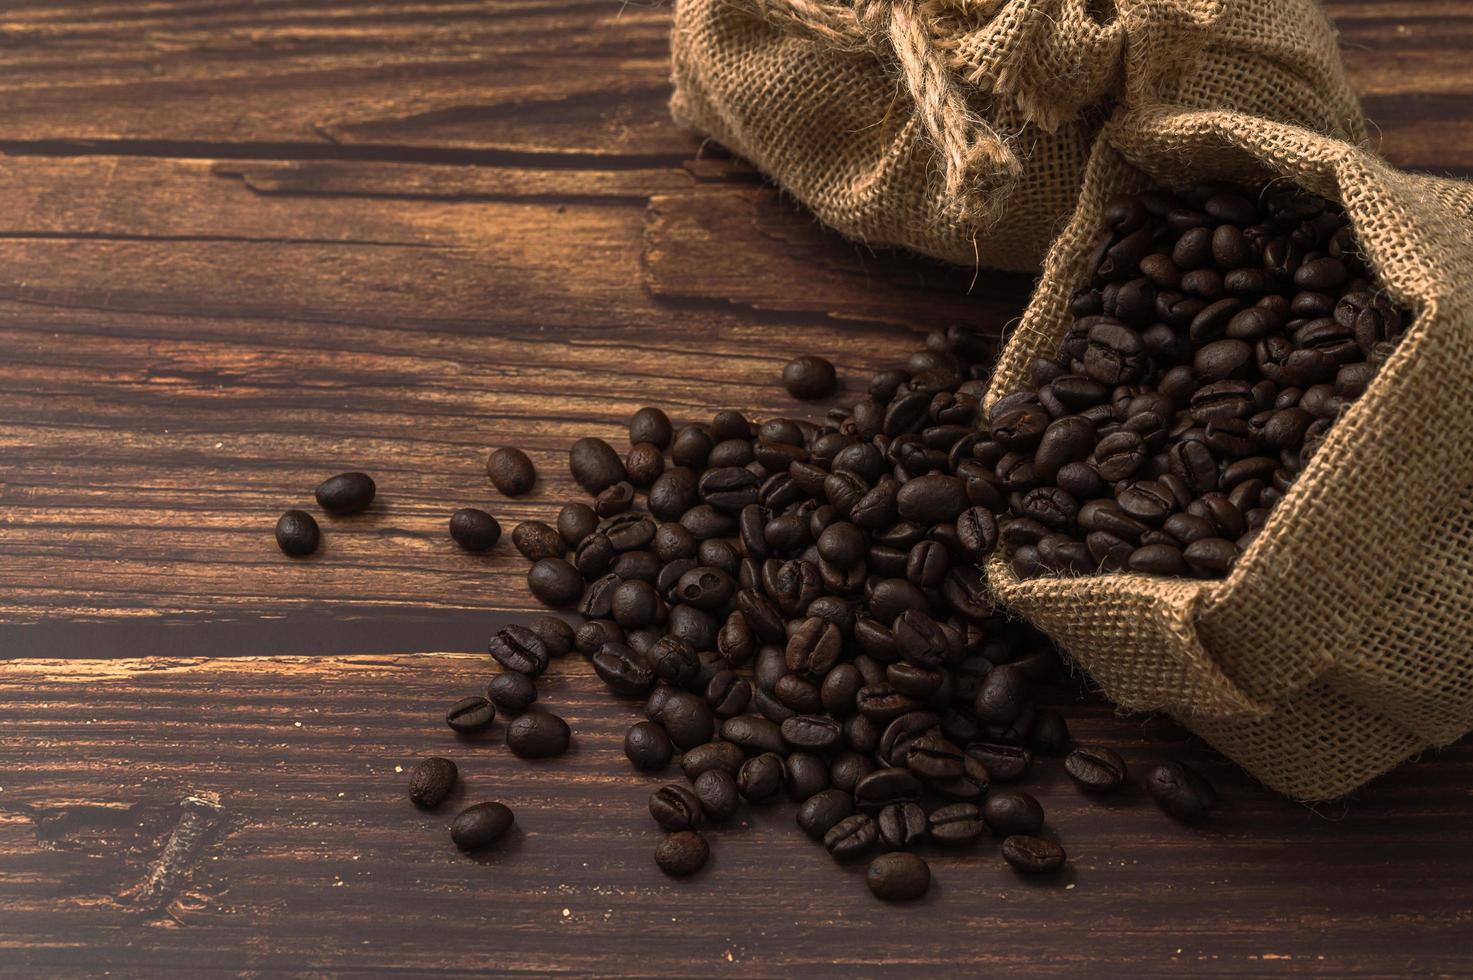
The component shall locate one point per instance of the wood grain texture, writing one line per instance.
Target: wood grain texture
(315, 861)
(249, 244)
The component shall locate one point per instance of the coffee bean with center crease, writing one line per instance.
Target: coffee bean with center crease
(1096, 768)
(754, 734)
(728, 488)
(346, 493)
(431, 781)
(682, 853)
(851, 837)
(512, 692)
(537, 735)
(898, 877)
(470, 715)
(478, 827)
(511, 471)
(623, 671)
(760, 777)
(1181, 792)
(595, 464)
(956, 824)
(1033, 855)
(297, 533)
(676, 808)
(518, 648)
(812, 733)
(885, 786)
(932, 499)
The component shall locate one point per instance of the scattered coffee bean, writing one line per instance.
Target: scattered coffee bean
(478, 827)
(575, 522)
(1181, 792)
(647, 746)
(471, 715)
(898, 876)
(1096, 768)
(1007, 812)
(555, 582)
(518, 648)
(717, 791)
(676, 808)
(554, 633)
(511, 471)
(682, 853)
(511, 692)
(537, 735)
(956, 824)
(431, 781)
(297, 534)
(595, 465)
(536, 541)
(346, 493)
(1033, 855)
(851, 837)
(809, 378)
(474, 530)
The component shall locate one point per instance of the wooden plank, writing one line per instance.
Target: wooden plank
(314, 860)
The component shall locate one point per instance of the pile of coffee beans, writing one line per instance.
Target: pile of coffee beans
(1221, 335)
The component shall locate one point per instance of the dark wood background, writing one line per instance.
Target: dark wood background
(245, 245)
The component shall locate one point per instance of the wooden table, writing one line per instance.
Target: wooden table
(247, 245)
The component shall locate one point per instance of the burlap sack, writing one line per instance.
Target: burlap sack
(1342, 642)
(961, 128)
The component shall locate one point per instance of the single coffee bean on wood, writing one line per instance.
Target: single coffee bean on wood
(478, 827)
(682, 853)
(575, 522)
(297, 534)
(537, 735)
(595, 464)
(1181, 792)
(676, 808)
(518, 648)
(1033, 855)
(511, 471)
(474, 530)
(809, 378)
(431, 781)
(1008, 812)
(898, 876)
(512, 692)
(346, 493)
(471, 714)
(1096, 768)
(536, 541)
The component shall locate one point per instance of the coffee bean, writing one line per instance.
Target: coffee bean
(898, 876)
(644, 464)
(1007, 812)
(511, 471)
(595, 465)
(537, 735)
(474, 530)
(717, 791)
(576, 522)
(346, 493)
(623, 671)
(818, 814)
(512, 692)
(1003, 762)
(812, 733)
(555, 582)
(805, 775)
(652, 426)
(676, 808)
(297, 534)
(760, 777)
(518, 648)
(431, 781)
(932, 499)
(470, 715)
(614, 499)
(956, 824)
(851, 837)
(691, 447)
(682, 853)
(479, 826)
(1096, 768)
(536, 541)
(687, 719)
(1181, 792)
(902, 825)
(1033, 855)
(809, 378)
(886, 786)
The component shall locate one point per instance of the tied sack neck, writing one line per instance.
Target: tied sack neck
(1053, 60)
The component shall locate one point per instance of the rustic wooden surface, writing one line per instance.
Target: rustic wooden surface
(246, 245)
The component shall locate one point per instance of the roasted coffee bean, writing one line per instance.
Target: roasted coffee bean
(518, 648)
(818, 814)
(511, 471)
(809, 378)
(673, 493)
(898, 877)
(1096, 768)
(676, 808)
(512, 692)
(682, 853)
(297, 534)
(650, 425)
(932, 757)
(576, 522)
(346, 493)
(595, 464)
(902, 825)
(851, 837)
(1181, 792)
(812, 733)
(615, 499)
(712, 755)
(470, 715)
(728, 488)
(797, 693)
(1003, 762)
(536, 541)
(885, 786)
(623, 671)
(754, 734)
(814, 647)
(629, 532)
(555, 582)
(1033, 855)
(635, 604)
(933, 499)
(956, 824)
(848, 768)
(431, 781)
(687, 719)
(1050, 733)
(717, 791)
(537, 735)
(1002, 696)
(805, 775)
(595, 633)
(1007, 813)
(479, 826)
(598, 599)
(760, 777)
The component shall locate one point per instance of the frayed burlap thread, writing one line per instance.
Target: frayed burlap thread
(961, 128)
(1342, 642)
